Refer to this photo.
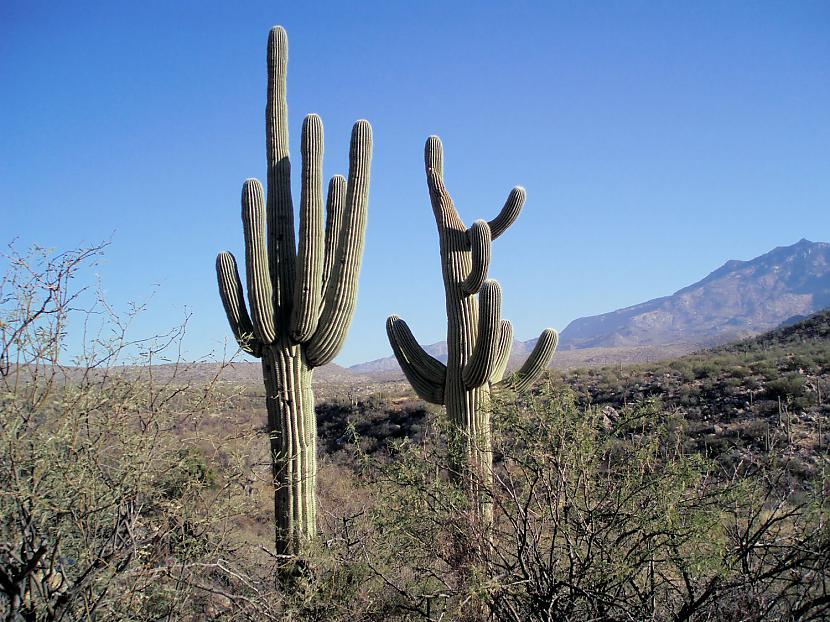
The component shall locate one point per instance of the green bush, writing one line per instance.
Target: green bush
(590, 523)
(791, 385)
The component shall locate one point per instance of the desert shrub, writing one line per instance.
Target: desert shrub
(706, 369)
(799, 468)
(767, 369)
(107, 511)
(593, 524)
(732, 382)
(740, 372)
(684, 370)
(757, 431)
(791, 385)
(190, 469)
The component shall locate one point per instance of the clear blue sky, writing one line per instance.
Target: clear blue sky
(656, 140)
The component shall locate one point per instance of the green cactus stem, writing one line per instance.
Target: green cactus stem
(478, 340)
(301, 297)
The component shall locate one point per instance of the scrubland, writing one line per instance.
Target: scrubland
(692, 489)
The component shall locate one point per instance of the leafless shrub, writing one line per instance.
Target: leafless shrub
(109, 505)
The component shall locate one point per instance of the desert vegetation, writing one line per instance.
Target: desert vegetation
(130, 494)
(763, 398)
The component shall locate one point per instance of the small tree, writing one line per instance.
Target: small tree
(102, 496)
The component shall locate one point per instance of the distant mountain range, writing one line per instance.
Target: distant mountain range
(438, 350)
(739, 299)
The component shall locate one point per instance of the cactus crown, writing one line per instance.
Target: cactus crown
(298, 293)
(479, 341)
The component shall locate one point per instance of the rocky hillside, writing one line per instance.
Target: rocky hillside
(738, 299)
(756, 401)
(761, 398)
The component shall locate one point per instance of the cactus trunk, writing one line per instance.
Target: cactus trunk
(293, 435)
(466, 407)
(301, 296)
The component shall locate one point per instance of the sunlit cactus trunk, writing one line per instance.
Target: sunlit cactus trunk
(467, 406)
(293, 435)
(478, 340)
(301, 296)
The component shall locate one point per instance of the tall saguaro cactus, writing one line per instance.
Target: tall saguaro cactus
(478, 340)
(301, 298)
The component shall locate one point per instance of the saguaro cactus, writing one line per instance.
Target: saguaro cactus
(478, 340)
(301, 299)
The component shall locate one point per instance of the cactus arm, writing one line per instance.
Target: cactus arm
(256, 261)
(427, 366)
(335, 203)
(480, 246)
(426, 374)
(482, 361)
(340, 296)
(442, 204)
(230, 290)
(509, 213)
(434, 156)
(308, 281)
(535, 365)
(503, 349)
(281, 249)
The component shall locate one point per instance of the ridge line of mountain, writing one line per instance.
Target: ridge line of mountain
(739, 299)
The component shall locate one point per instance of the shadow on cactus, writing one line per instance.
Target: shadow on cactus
(302, 297)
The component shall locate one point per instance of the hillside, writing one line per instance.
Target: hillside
(766, 396)
(738, 299)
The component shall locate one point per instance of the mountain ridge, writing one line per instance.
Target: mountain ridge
(739, 299)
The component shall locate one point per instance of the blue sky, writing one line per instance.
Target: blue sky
(656, 140)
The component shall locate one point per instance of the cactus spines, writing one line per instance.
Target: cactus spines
(478, 340)
(302, 297)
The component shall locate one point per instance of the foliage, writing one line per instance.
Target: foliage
(754, 400)
(596, 524)
(128, 494)
(108, 507)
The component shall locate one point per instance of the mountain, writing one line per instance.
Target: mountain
(739, 299)
(389, 364)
